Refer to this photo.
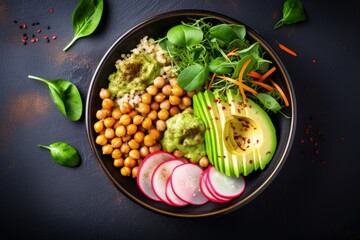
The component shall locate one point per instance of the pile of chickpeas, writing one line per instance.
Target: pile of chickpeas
(129, 133)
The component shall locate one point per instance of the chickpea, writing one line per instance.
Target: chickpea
(129, 162)
(190, 94)
(146, 124)
(177, 153)
(186, 101)
(126, 138)
(131, 129)
(134, 171)
(116, 153)
(154, 106)
(125, 171)
(125, 119)
(138, 119)
(163, 114)
(155, 148)
(149, 140)
(125, 148)
(125, 107)
(154, 133)
(177, 90)
(101, 114)
(101, 140)
(109, 133)
(165, 105)
(152, 115)
(159, 82)
(138, 162)
(146, 98)
(109, 122)
(152, 90)
(104, 93)
(139, 137)
(133, 113)
(174, 100)
(143, 108)
(160, 125)
(120, 131)
(119, 162)
(173, 81)
(116, 113)
(134, 153)
(117, 124)
(116, 142)
(174, 110)
(166, 90)
(159, 97)
(144, 151)
(107, 103)
(107, 149)
(133, 144)
(204, 162)
(98, 126)
(182, 106)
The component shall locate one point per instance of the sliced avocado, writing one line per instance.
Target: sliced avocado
(241, 135)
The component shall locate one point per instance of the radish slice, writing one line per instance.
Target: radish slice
(223, 185)
(185, 182)
(146, 169)
(171, 196)
(205, 190)
(160, 176)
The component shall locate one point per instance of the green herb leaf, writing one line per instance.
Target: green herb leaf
(185, 35)
(293, 12)
(225, 33)
(220, 66)
(193, 77)
(63, 154)
(85, 19)
(269, 102)
(65, 95)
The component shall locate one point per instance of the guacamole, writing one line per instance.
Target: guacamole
(185, 132)
(133, 73)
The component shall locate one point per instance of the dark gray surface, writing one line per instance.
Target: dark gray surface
(315, 196)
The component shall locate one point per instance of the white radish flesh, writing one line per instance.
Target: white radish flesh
(171, 196)
(205, 189)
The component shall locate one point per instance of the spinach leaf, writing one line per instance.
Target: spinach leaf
(63, 154)
(220, 66)
(185, 35)
(65, 95)
(225, 33)
(193, 77)
(254, 50)
(269, 102)
(293, 12)
(85, 19)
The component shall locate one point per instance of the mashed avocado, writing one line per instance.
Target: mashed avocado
(185, 132)
(134, 73)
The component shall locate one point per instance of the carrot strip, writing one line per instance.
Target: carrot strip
(286, 101)
(240, 84)
(241, 75)
(286, 49)
(254, 74)
(212, 80)
(267, 74)
(261, 84)
(232, 52)
(249, 89)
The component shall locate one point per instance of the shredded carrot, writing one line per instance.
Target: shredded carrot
(241, 75)
(254, 74)
(267, 74)
(232, 52)
(212, 80)
(278, 88)
(286, 49)
(264, 85)
(249, 89)
(240, 84)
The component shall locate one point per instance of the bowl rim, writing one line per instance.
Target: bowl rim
(254, 34)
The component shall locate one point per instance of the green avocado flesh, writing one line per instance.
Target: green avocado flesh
(239, 138)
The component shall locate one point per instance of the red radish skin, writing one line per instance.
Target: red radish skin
(206, 191)
(212, 192)
(160, 176)
(146, 169)
(185, 182)
(223, 185)
(171, 196)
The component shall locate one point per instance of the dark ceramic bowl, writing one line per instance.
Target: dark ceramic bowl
(156, 27)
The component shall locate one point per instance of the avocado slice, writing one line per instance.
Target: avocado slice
(241, 138)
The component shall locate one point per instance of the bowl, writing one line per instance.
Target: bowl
(256, 182)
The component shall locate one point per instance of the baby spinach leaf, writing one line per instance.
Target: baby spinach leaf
(226, 33)
(269, 102)
(254, 50)
(193, 77)
(63, 154)
(65, 95)
(185, 35)
(85, 19)
(219, 65)
(293, 12)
